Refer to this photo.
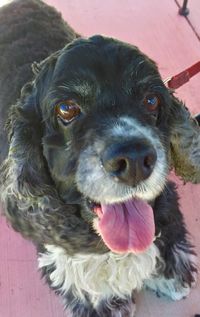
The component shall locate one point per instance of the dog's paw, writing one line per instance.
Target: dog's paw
(117, 307)
(180, 274)
(170, 288)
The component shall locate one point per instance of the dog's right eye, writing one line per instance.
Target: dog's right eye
(151, 102)
(67, 110)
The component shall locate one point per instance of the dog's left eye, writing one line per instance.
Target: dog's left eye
(67, 110)
(151, 102)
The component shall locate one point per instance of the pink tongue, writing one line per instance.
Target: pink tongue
(127, 227)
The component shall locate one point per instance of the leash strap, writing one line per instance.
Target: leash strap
(183, 77)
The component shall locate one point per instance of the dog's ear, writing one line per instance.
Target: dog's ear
(25, 130)
(185, 143)
(31, 201)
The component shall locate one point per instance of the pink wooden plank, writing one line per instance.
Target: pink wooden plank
(22, 292)
(11, 241)
(194, 14)
(159, 31)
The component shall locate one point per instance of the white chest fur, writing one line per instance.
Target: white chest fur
(101, 276)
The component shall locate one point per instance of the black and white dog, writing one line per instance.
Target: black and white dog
(86, 178)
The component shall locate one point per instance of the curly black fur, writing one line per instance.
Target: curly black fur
(30, 31)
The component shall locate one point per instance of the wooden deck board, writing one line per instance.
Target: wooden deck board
(194, 14)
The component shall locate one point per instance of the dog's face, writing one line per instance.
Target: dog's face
(106, 116)
(90, 144)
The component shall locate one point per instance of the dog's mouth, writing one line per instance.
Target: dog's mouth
(125, 227)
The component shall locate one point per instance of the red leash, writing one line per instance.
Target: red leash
(183, 77)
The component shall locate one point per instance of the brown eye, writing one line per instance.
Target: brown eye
(68, 110)
(151, 102)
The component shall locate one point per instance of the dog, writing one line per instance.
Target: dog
(86, 177)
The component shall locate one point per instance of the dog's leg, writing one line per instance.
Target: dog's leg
(178, 275)
(78, 307)
(177, 265)
(117, 307)
(110, 307)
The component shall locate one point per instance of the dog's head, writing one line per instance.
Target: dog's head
(96, 125)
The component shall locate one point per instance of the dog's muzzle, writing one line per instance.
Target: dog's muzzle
(119, 175)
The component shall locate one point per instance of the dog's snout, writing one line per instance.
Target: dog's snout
(130, 162)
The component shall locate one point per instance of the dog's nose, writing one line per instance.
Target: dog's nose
(130, 162)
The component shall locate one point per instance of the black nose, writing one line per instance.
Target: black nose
(130, 162)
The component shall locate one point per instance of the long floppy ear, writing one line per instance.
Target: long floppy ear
(31, 202)
(185, 144)
(29, 173)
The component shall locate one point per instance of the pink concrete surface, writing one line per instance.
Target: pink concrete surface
(160, 32)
